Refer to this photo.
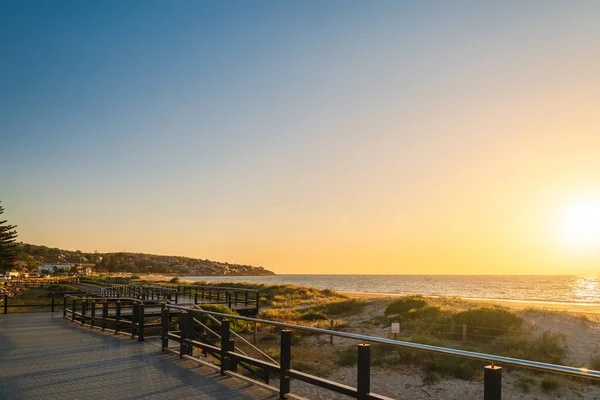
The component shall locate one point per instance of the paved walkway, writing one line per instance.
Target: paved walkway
(43, 356)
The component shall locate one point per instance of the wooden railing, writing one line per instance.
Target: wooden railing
(244, 301)
(128, 316)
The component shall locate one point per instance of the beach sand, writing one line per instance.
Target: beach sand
(592, 308)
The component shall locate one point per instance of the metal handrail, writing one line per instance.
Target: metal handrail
(562, 369)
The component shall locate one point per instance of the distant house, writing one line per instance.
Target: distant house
(55, 268)
(11, 274)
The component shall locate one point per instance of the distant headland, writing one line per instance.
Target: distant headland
(31, 256)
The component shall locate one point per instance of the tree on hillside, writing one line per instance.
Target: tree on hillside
(8, 248)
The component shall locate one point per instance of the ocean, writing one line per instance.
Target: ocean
(543, 288)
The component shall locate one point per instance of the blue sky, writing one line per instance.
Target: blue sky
(292, 134)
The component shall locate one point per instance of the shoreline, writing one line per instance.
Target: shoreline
(584, 308)
(519, 304)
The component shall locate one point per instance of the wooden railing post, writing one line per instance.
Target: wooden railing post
(83, 310)
(183, 332)
(364, 370)
(165, 320)
(64, 305)
(134, 319)
(246, 298)
(73, 309)
(190, 333)
(52, 303)
(118, 317)
(196, 296)
(93, 314)
(5, 303)
(224, 346)
(492, 382)
(285, 363)
(104, 313)
(141, 317)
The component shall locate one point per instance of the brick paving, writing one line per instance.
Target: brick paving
(43, 356)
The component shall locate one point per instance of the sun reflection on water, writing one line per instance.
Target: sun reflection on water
(586, 288)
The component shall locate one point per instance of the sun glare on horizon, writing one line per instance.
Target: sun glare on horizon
(580, 225)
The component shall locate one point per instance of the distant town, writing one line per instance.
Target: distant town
(34, 261)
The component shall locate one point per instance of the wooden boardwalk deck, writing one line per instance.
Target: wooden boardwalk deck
(43, 356)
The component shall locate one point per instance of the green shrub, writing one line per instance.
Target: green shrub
(174, 280)
(405, 304)
(524, 383)
(549, 347)
(550, 383)
(280, 315)
(342, 307)
(313, 316)
(61, 288)
(235, 324)
(484, 324)
(347, 358)
(460, 368)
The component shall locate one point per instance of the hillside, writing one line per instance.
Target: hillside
(30, 256)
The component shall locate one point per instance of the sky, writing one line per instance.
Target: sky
(387, 137)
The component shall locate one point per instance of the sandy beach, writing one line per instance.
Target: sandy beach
(591, 308)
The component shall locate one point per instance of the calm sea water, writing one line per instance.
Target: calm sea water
(554, 288)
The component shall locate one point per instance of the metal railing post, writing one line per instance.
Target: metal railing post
(165, 327)
(141, 318)
(492, 382)
(224, 346)
(285, 363)
(364, 370)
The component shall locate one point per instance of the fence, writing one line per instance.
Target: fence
(119, 315)
(229, 359)
(141, 292)
(244, 301)
(54, 303)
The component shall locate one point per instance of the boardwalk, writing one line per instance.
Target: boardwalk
(43, 356)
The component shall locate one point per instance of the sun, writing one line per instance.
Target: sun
(581, 224)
